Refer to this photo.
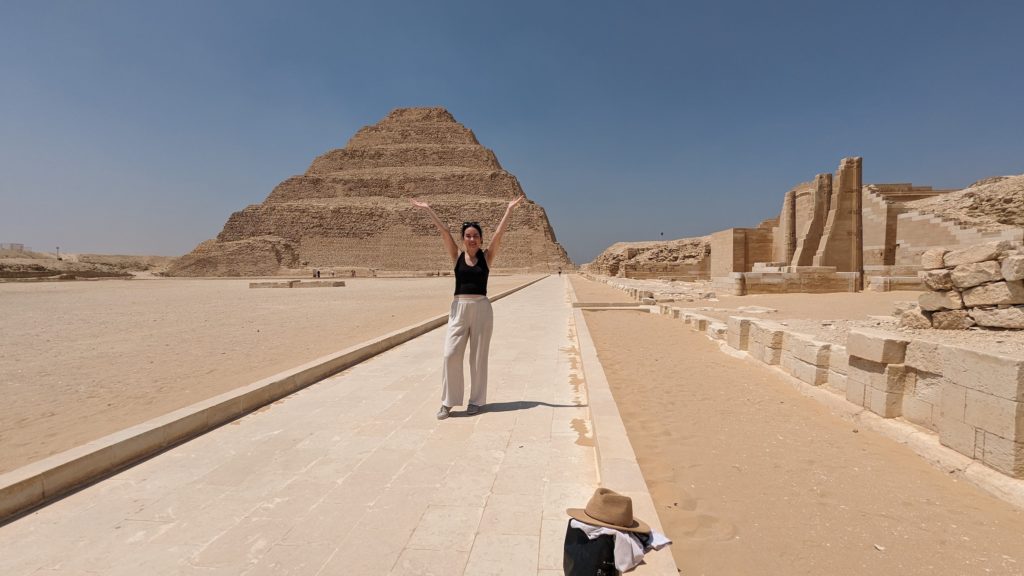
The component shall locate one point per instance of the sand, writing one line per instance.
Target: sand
(588, 291)
(751, 477)
(80, 360)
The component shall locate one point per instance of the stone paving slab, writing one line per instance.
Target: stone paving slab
(354, 475)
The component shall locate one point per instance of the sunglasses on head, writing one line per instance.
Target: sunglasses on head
(469, 223)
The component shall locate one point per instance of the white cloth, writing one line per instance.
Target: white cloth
(469, 321)
(629, 550)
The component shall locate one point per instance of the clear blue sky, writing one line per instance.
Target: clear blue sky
(138, 127)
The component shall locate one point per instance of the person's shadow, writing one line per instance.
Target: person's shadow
(518, 405)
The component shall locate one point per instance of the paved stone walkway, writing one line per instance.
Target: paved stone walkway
(354, 475)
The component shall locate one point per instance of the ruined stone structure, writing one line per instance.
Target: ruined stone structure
(683, 259)
(989, 210)
(815, 245)
(842, 238)
(979, 285)
(834, 234)
(351, 208)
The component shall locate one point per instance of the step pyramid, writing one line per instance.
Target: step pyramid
(351, 209)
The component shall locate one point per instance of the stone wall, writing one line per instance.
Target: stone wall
(811, 209)
(841, 240)
(737, 249)
(351, 208)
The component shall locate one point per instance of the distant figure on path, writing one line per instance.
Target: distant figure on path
(470, 318)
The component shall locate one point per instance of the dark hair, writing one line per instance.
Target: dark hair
(467, 225)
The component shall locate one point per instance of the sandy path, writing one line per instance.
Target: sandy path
(588, 291)
(79, 360)
(750, 477)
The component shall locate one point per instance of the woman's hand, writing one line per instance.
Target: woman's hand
(419, 203)
(513, 203)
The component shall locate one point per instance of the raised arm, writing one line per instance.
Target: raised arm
(495, 245)
(446, 236)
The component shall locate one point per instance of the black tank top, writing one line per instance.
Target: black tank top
(471, 279)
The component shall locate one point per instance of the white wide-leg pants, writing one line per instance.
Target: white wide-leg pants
(472, 321)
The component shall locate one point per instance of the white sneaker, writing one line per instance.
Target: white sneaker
(444, 412)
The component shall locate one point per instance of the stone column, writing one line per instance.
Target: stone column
(787, 229)
(807, 244)
(842, 238)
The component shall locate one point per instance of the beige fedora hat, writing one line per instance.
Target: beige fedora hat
(610, 509)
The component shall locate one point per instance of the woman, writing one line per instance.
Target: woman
(470, 318)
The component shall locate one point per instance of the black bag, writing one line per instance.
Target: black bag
(586, 557)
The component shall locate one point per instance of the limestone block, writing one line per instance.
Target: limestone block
(925, 356)
(768, 334)
(739, 332)
(806, 348)
(786, 361)
(995, 294)
(976, 274)
(885, 377)
(885, 404)
(876, 345)
(901, 306)
(319, 284)
(765, 354)
(953, 401)
(647, 301)
(940, 279)
(837, 380)
(1004, 455)
(1013, 267)
(999, 416)
(838, 359)
(281, 284)
(919, 412)
(952, 320)
(898, 378)
(932, 259)
(855, 391)
(915, 318)
(699, 323)
(928, 387)
(1012, 317)
(958, 436)
(932, 301)
(993, 374)
(716, 330)
(864, 371)
(809, 373)
(977, 253)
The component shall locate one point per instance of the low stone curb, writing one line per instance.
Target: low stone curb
(43, 481)
(616, 462)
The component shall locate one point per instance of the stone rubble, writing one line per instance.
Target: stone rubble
(981, 285)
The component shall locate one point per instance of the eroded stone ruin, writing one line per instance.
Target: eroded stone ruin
(351, 211)
(835, 234)
(682, 259)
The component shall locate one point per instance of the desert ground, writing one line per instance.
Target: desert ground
(751, 477)
(80, 360)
